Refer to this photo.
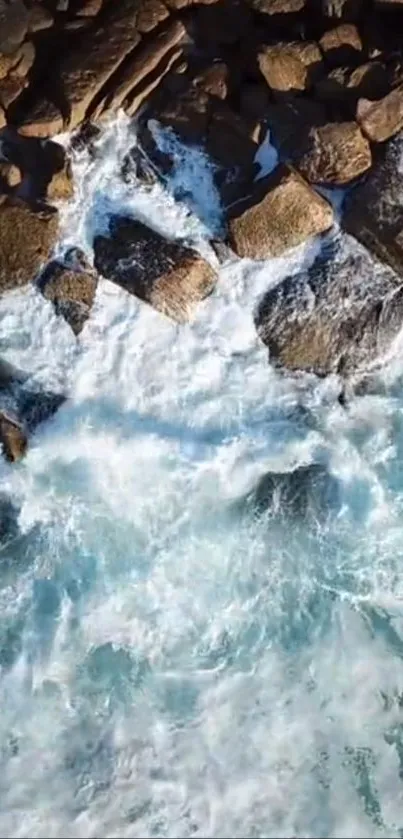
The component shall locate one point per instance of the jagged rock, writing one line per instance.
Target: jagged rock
(382, 119)
(337, 317)
(26, 240)
(26, 58)
(39, 18)
(44, 119)
(10, 89)
(181, 4)
(72, 293)
(281, 213)
(214, 80)
(60, 186)
(13, 438)
(338, 154)
(168, 275)
(290, 67)
(188, 115)
(2, 118)
(147, 62)
(44, 164)
(374, 209)
(84, 71)
(342, 45)
(14, 20)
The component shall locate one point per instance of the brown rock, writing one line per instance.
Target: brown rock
(141, 93)
(26, 58)
(7, 62)
(2, 118)
(169, 276)
(336, 317)
(10, 175)
(342, 45)
(374, 209)
(10, 90)
(72, 293)
(84, 71)
(290, 67)
(143, 63)
(182, 4)
(39, 18)
(151, 14)
(282, 212)
(214, 80)
(339, 153)
(43, 119)
(14, 19)
(188, 114)
(12, 438)
(90, 8)
(26, 240)
(278, 7)
(382, 119)
(60, 186)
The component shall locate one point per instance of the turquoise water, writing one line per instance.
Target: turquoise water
(177, 660)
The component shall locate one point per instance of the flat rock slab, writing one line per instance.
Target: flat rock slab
(26, 239)
(282, 212)
(337, 317)
(171, 277)
(374, 209)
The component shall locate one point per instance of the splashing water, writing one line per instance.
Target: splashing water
(172, 663)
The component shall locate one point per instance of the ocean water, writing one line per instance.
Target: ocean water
(174, 659)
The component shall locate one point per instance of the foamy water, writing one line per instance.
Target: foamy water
(172, 663)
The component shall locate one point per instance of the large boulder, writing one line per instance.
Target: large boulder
(282, 212)
(338, 154)
(14, 21)
(27, 237)
(308, 490)
(374, 209)
(383, 118)
(171, 277)
(342, 45)
(338, 316)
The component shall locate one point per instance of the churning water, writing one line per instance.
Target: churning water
(174, 660)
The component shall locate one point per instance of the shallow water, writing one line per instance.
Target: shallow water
(174, 662)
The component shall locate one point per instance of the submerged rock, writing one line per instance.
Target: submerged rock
(168, 275)
(307, 490)
(21, 411)
(336, 317)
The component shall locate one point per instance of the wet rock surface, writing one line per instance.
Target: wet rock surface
(170, 276)
(336, 317)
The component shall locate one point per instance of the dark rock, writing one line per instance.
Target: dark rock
(374, 209)
(344, 86)
(382, 119)
(10, 175)
(282, 212)
(14, 21)
(13, 438)
(337, 317)
(338, 154)
(26, 240)
(290, 124)
(168, 275)
(345, 10)
(72, 293)
(342, 45)
(306, 491)
(277, 7)
(39, 18)
(151, 14)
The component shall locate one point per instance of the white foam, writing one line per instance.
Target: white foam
(175, 667)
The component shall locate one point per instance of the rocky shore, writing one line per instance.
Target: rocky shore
(324, 77)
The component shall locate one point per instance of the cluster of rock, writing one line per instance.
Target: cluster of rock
(325, 77)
